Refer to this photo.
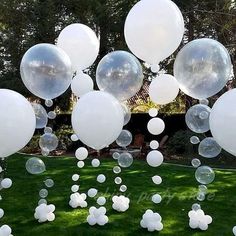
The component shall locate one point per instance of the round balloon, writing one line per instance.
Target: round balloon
(209, 148)
(204, 175)
(41, 115)
(163, 89)
(81, 44)
(202, 68)
(17, 122)
(46, 71)
(124, 139)
(97, 119)
(154, 30)
(194, 118)
(125, 160)
(81, 84)
(222, 121)
(156, 126)
(48, 142)
(35, 166)
(127, 113)
(155, 158)
(120, 74)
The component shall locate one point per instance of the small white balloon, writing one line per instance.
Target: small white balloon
(1, 213)
(81, 153)
(163, 89)
(154, 144)
(74, 137)
(153, 112)
(156, 126)
(101, 201)
(156, 198)
(6, 183)
(75, 177)
(101, 178)
(92, 192)
(155, 158)
(75, 188)
(157, 179)
(95, 163)
(81, 84)
(80, 164)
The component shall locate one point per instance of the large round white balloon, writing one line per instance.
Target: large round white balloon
(202, 68)
(81, 44)
(154, 30)
(156, 126)
(222, 121)
(97, 119)
(120, 74)
(17, 122)
(163, 89)
(81, 84)
(46, 71)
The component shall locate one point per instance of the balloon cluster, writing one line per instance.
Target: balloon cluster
(198, 219)
(120, 203)
(78, 200)
(44, 213)
(97, 216)
(151, 221)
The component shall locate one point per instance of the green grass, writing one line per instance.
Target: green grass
(178, 191)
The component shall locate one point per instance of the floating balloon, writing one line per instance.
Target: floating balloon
(81, 84)
(154, 30)
(48, 130)
(124, 139)
(116, 169)
(101, 201)
(46, 71)
(81, 153)
(196, 163)
(127, 113)
(98, 119)
(209, 148)
(157, 179)
(75, 177)
(118, 180)
(156, 198)
(163, 89)
(81, 45)
(52, 115)
(125, 160)
(194, 140)
(123, 188)
(115, 155)
(95, 163)
(202, 68)
(154, 158)
(48, 142)
(43, 193)
(153, 112)
(6, 183)
(101, 178)
(35, 166)
(204, 175)
(194, 121)
(17, 122)
(156, 126)
(49, 183)
(41, 115)
(48, 103)
(154, 144)
(222, 121)
(120, 74)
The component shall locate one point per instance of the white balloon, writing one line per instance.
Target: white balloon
(81, 84)
(80, 43)
(156, 126)
(75, 177)
(154, 144)
(157, 179)
(156, 198)
(154, 29)
(92, 192)
(98, 119)
(6, 183)
(155, 158)
(1, 213)
(222, 121)
(101, 178)
(80, 164)
(234, 230)
(101, 201)
(95, 163)
(163, 89)
(81, 153)
(17, 122)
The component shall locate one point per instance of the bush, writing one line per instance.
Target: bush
(179, 143)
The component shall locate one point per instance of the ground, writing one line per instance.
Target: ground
(178, 191)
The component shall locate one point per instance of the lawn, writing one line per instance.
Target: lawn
(178, 190)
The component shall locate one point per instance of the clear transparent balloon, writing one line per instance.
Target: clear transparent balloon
(48, 130)
(49, 183)
(205, 175)
(194, 121)
(48, 142)
(116, 169)
(115, 155)
(41, 115)
(48, 102)
(202, 188)
(196, 163)
(43, 193)
(196, 207)
(194, 140)
(35, 166)
(123, 188)
(118, 180)
(124, 139)
(125, 160)
(46, 71)
(52, 115)
(120, 74)
(202, 68)
(209, 148)
(201, 196)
